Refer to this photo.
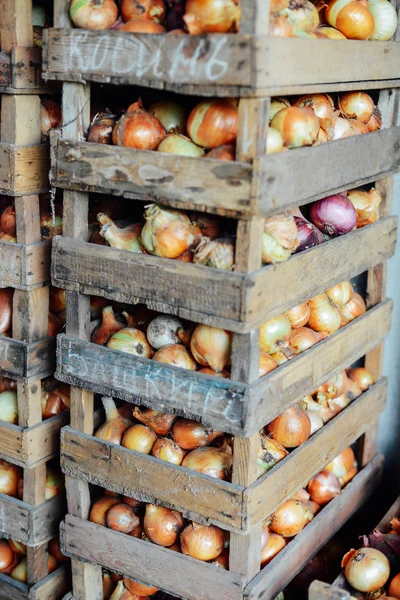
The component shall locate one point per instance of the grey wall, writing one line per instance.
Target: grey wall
(389, 430)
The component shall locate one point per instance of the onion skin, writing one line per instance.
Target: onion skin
(207, 16)
(115, 426)
(55, 550)
(99, 509)
(162, 525)
(375, 123)
(341, 293)
(142, 25)
(100, 131)
(94, 15)
(324, 316)
(176, 143)
(149, 9)
(366, 570)
(275, 544)
(213, 123)
(6, 298)
(138, 129)
(334, 215)
(169, 451)
(354, 308)
(131, 341)
(171, 115)
(8, 221)
(159, 422)
(9, 407)
(121, 518)
(109, 326)
(163, 331)
(350, 17)
(394, 588)
(342, 463)
(366, 205)
(139, 438)
(303, 338)
(289, 519)
(291, 429)
(324, 487)
(297, 126)
(7, 556)
(214, 462)
(9, 478)
(357, 105)
(177, 356)
(274, 141)
(361, 376)
(50, 116)
(299, 315)
(166, 233)
(267, 364)
(276, 105)
(321, 104)
(139, 589)
(274, 334)
(202, 542)
(190, 435)
(329, 32)
(211, 347)
(307, 234)
(225, 152)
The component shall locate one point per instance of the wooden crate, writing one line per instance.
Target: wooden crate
(153, 564)
(26, 360)
(51, 587)
(205, 499)
(24, 266)
(23, 169)
(21, 67)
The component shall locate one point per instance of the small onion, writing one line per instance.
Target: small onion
(191, 434)
(324, 487)
(360, 375)
(213, 123)
(202, 542)
(121, 518)
(270, 453)
(366, 570)
(211, 17)
(334, 215)
(176, 143)
(9, 478)
(351, 17)
(7, 556)
(163, 331)
(171, 114)
(137, 128)
(274, 334)
(211, 347)
(375, 122)
(275, 544)
(168, 451)
(299, 315)
(100, 131)
(131, 341)
(109, 325)
(162, 525)
(100, 508)
(177, 356)
(291, 429)
(297, 126)
(289, 519)
(139, 438)
(358, 127)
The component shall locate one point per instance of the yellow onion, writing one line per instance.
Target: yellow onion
(138, 589)
(54, 403)
(177, 356)
(224, 152)
(20, 572)
(162, 525)
(351, 17)
(375, 122)
(125, 238)
(342, 463)
(337, 128)
(297, 126)
(357, 105)
(190, 435)
(159, 422)
(139, 438)
(121, 518)
(213, 123)
(289, 519)
(316, 421)
(120, 592)
(9, 407)
(176, 143)
(6, 299)
(109, 325)
(267, 364)
(54, 483)
(299, 315)
(100, 131)
(340, 294)
(93, 14)
(291, 429)
(202, 542)
(321, 104)
(358, 127)
(334, 387)
(302, 15)
(366, 205)
(150, 9)
(303, 338)
(137, 128)
(366, 570)
(274, 141)
(276, 105)
(50, 116)
(274, 545)
(100, 508)
(354, 308)
(279, 238)
(329, 32)
(167, 233)
(385, 19)
(214, 462)
(167, 450)
(211, 347)
(218, 254)
(279, 26)
(171, 114)
(324, 316)
(131, 341)
(324, 487)
(274, 334)
(10, 475)
(209, 16)
(270, 453)
(361, 376)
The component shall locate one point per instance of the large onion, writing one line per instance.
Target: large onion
(191, 434)
(163, 330)
(357, 105)
(322, 104)
(202, 542)
(214, 462)
(276, 105)
(137, 128)
(9, 478)
(162, 525)
(366, 570)
(275, 334)
(168, 450)
(177, 356)
(167, 233)
(9, 407)
(291, 429)
(366, 205)
(297, 126)
(302, 15)
(211, 347)
(213, 123)
(139, 438)
(334, 215)
(93, 14)
(340, 294)
(385, 19)
(131, 341)
(211, 16)
(289, 519)
(171, 114)
(150, 9)
(100, 508)
(121, 518)
(324, 487)
(351, 17)
(324, 316)
(176, 143)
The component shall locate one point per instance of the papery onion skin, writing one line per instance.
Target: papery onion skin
(177, 356)
(337, 128)
(100, 508)
(297, 126)
(214, 462)
(276, 105)
(354, 308)
(160, 422)
(341, 293)
(121, 518)
(334, 215)
(9, 478)
(6, 298)
(267, 364)
(357, 105)
(176, 143)
(213, 123)
(162, 525)
(9, 407)
(361, 376)
(163, 331)
(6, 555)
(324, 316)
(385, 19)
(142, 25)
(330, 32)
(350, 17)
(50, 116)
(307, 234)
(274, 334)
(394, 587)
(218, 254)
(225, 152)
(275, 544)
(191, 434)
(202, 542)
(139, 589)
(149, 9)
(211, 347)
(316, 421)
(100, 131)
(139, 438)
(274, 141)
(171, 115)
(166, 233)
(168, 451)
(321, 104)
(366, 570)
(342, 463)
(109, 325)
(8, 221)
(324, 487)
(92, 14)
(138, 129)
(279, 26)
(291, 429)
(303, 338)
(366, 205)
(131, 341)
(302, 15)
(203, 16)
(375, 122)
(298, 315)
(289, 519)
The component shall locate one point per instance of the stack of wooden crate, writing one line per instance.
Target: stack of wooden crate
(29, 355)
(253, 67)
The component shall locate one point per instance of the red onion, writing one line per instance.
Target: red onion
(308, 235)
(334, 215)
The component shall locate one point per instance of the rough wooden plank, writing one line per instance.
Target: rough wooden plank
(236, 301)
(113, 373)
(16, 24)
(23, 170)
(292, 473)
(26, 69)
(5, 70)
(51, 587)
(285, 386)
(23, 266)
(10, 588)
(150, 479)
(148, 562)
(21, 360)
(288, 179)
(205, 184)
(324, 591)
(21, 120)
(275, 576)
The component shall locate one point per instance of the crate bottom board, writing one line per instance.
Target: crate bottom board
(158, 566)
(52, 587)
(34, 445)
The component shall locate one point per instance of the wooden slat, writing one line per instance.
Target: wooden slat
(28, 524)
(296, 470)
(24, 169)
(20, 360)
(33, 445)
(10, 588)
(275, 576)
(24, 266)
(52, 587)
(218, 64)
(323, 591)
(26, 68)
(148, 562)
(236, 301)
(219, 402)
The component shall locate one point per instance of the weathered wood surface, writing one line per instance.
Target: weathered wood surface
(21, 360)
(235, 301)
(274, 182)
(24, 266)
(217, 64)
(20, 71)
(51, 587)
(324, 591)
(205, 499)
(34, 445)
(32, 525)
(231, 406)
(275, 576)
(24, 169)
(148, 562)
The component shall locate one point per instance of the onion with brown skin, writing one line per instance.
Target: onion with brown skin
(121, 517)
(352, 18)
(150, 9)
(139, 438)
(354, 308)
(54, 325)
(190, 435)
(357, 105)
(214, 462)
(342, 464)
(7, 555)
(100, 508)
(202, 542)
(213, 123)
(211, 16)
(53, 403)
(289, 519)
(299, 315)
(162, 525)
(160, 422)
(93, 14)
(20, 572)
(50, 116)
(6, 298)
(18, 547)
(303, 338)
(225, 152)
(297, 126)
(324, 487)
(274, 545)
(10, 475)
(171, 114)
(57, 300)
(101, 129)
(324, 316)
(267, 364)
(366, 205)
(177, 356)
(362, 377)
(166, 233)
(142, 25)
(137, 128)
(8, 221)
(55, 550)
(168, 450)
(340, 294)
(291, 429)
(115, 426)
(139, 589)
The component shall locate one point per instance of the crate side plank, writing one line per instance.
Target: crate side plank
(41, 358)
(289, 179)
(183, 182)
(44, 520)
(24, 266)
(52, 587)
(150, 479)
(119, 374)
(20, 360)
(11, 443)
(275, 576)
(10, 588)
(285, 386)
(323, 591)
(32, 164)
(14, 518)
(148, 562)
(296, 470)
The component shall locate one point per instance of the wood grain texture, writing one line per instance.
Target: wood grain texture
(275, 576)
(51, 587)
(21, 360)
(33, 445)
(10, 588)
(236, 301)
(148, 562)
(219, 403)
(223, 65)
(24, 170)
(24, 266)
